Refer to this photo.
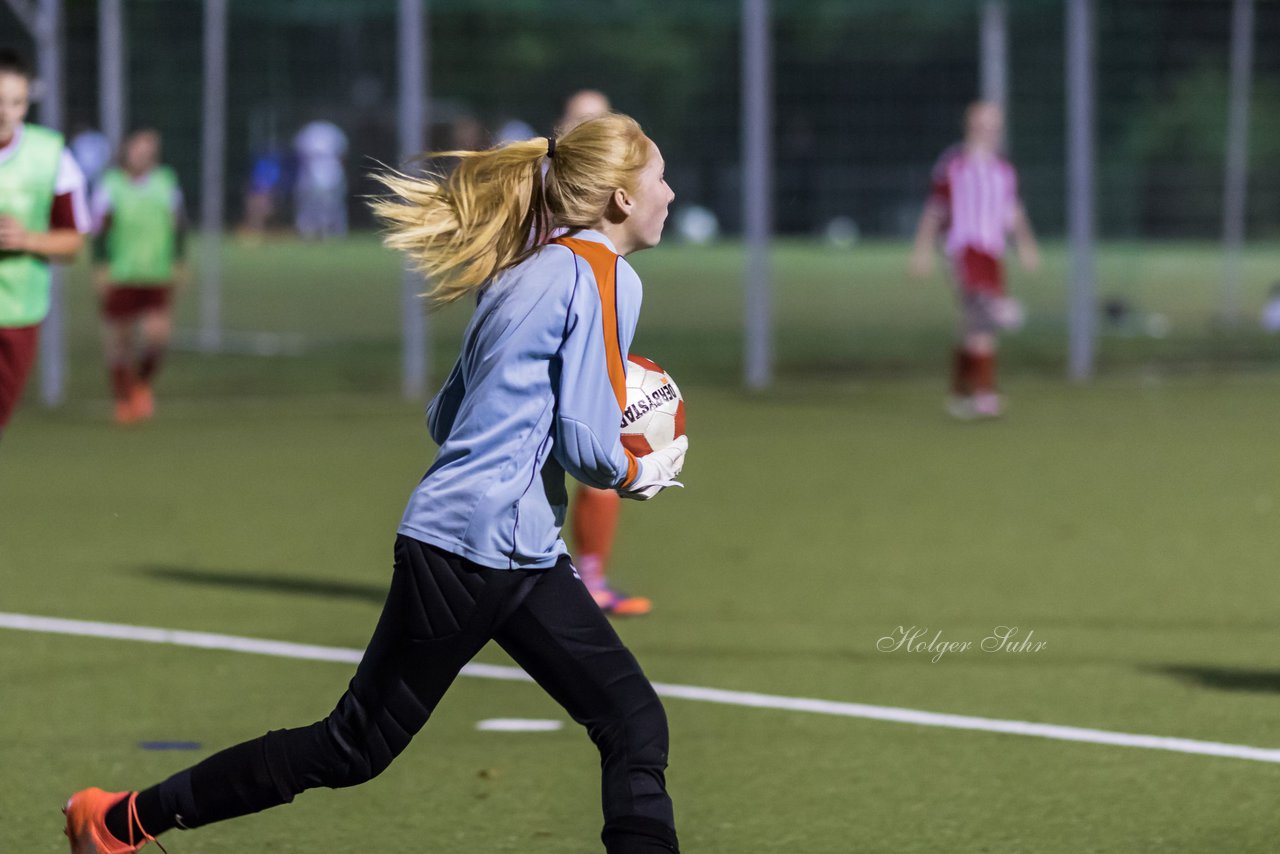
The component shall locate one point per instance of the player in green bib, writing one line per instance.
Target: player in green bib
(42, 215)
(138, 253)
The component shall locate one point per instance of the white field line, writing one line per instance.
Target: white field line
(284, 649)
(519, 725)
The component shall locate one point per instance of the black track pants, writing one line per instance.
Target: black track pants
(441, 610)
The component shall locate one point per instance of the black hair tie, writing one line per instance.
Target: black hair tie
(551, 146)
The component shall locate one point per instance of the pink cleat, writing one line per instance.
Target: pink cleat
(987, 405)
(618, 604)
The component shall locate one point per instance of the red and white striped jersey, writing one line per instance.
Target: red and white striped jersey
(980, 193)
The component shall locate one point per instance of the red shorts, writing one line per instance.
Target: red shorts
(979, 271)
(17, 354)
(125, 302)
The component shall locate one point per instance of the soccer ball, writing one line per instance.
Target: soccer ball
(1009, 314)
(654, 415)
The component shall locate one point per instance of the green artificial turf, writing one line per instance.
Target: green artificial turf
(1130, 524)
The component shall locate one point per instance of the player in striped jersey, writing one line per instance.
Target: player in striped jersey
(537, 391)
(138, 219)
(975, 199)
(43, 215)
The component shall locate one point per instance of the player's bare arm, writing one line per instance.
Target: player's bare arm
(1025, 239)
(60, 243)
(927, 231)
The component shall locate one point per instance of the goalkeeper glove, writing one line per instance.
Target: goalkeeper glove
(657, 471)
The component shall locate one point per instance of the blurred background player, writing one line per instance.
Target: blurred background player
(261, 191)
(320, 191)
(42, 216)
(513, 130)
(593, 517)
(582, 105)
(138, 219)
(1271, 311)
(975, 199)
(92, 151)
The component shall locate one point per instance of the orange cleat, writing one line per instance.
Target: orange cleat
(142, 401)
(86, 814)
(620, 604)
(125, 413)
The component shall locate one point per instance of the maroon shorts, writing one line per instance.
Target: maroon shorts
(125, 302)
(976, 270)
(17, 353)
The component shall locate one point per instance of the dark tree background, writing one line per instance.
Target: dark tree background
(868, 93)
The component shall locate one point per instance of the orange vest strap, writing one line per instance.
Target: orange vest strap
(604, 264)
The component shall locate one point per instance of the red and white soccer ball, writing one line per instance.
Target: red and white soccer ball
(654, 416)
(1008, 314)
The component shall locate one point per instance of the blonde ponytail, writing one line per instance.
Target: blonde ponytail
(497, 206)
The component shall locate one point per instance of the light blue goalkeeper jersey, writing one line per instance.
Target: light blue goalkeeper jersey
(535, 393)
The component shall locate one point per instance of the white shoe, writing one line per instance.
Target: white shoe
(961, 408)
